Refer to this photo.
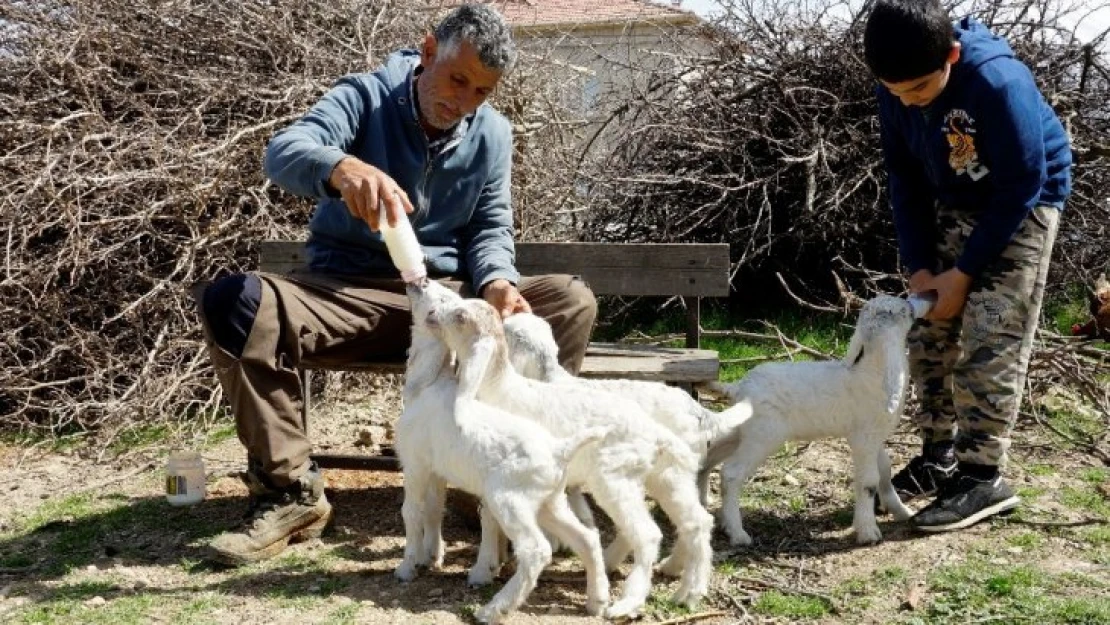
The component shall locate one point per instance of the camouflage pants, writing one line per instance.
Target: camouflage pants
(970, 370)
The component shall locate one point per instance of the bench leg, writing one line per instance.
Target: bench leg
(306, 397)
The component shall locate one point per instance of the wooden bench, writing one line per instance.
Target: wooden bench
(687, 270)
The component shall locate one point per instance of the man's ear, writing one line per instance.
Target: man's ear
(428, 52)
(953, 53)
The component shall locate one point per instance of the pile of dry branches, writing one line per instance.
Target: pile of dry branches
(769, 142)
(130, 167)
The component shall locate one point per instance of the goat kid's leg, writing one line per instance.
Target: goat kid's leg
(489, 558)
(577, 500)
(703, 486)
(676, 492)
(622, 498)
(616, 553)
(559, 519)
(432, 555)
(735, 472)
(416, 484)
(517, 518)
(892, 503)
(865, 467)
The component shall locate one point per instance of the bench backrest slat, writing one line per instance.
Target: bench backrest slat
(665, 269)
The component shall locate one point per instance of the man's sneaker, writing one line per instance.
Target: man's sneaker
(964, 502)
(926, 474)
(275, 518)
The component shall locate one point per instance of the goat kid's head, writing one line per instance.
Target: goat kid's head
(532, 347)
(881, 332)
(428, 354)
(472, 328)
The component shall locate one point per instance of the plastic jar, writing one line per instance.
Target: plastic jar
(184, 478)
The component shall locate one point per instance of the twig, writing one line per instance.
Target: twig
(701, 616)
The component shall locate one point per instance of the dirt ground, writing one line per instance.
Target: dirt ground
(82, 541)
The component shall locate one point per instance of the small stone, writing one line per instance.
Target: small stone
(791, 480)
(96, 602)
(313, 589)
(435, 592)
(1015, 550)
(367, 603)
(91, 568)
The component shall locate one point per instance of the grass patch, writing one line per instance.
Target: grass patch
(225, 430)
(1041, 470)
(139, 436)
(824, 332)
(660, 607)
(1086, 500)
(775, 603)
(72, 531)
(979, 590)
(1026, 540)
(68, 604)
(1067, 308)
(343, 615)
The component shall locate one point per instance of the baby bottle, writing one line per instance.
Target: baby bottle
(922, 303)
(403, 247)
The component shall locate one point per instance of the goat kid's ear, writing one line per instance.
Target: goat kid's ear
(472, 370)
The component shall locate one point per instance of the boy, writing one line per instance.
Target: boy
(979, 168)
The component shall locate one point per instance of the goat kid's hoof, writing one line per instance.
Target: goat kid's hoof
(688, 597)
(490, 614)
(868, 536)
(480, 576)
(624, 609)
(671, 566)
(596, 607)
(406, 572)
(740, 539)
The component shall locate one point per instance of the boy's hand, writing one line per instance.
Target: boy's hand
(951, 287)
(503, 296)
(920, 280)
(363, 186)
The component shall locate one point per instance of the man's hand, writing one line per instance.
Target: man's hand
(362, 186)
(951, 287)
(503, 296)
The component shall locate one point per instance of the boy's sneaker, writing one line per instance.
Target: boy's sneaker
(973, 496)
(275, 518)
(925, 474)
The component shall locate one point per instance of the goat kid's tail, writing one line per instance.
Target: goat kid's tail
(574, 444)
(730, 391)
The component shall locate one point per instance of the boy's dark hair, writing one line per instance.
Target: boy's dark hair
(906, 39)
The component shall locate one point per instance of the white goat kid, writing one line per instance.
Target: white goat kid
(859, 398)
(636, 455)
(535, 354)
(513, 464)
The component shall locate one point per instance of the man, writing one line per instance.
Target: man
(979, 169)
(413, 136)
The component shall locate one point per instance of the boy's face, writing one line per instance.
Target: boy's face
(921, 91)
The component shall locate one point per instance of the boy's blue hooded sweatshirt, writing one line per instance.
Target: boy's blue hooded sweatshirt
(463, 215)
(988, 144)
